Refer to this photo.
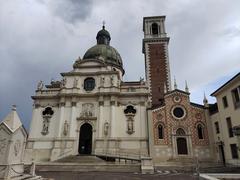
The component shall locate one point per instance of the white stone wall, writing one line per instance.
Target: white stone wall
(109, 100)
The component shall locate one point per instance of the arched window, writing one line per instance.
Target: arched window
(180, 132)
(160, 132)
(200, 131)
(154, 28)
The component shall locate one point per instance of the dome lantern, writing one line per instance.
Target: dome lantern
(103, 51)
(103, 36)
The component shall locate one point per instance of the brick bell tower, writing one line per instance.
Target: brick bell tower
(155, 49)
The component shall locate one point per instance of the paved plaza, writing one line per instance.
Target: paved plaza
(116, 176)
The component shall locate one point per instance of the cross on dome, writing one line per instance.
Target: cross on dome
(103, 24)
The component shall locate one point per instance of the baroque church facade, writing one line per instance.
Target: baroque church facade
(93, 111)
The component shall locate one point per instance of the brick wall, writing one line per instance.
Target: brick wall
(194, 115)
(158, 71)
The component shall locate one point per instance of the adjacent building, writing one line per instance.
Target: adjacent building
(224, 115)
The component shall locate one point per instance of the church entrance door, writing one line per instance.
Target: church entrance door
(182, 146)
(85, 139)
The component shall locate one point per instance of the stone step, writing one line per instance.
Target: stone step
(90, 167)
(27, 177)
(209, 167)
(81, 159)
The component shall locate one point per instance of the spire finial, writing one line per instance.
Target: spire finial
(175, 83)
(186, 87)
(103, 24)
(205, 101)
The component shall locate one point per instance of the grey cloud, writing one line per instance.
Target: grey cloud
(35, 45)
(231, 32)
(71, 11)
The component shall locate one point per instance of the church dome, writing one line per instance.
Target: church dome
(103, 51)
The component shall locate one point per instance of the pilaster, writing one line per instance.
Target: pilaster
(112, 104)
(61, 118)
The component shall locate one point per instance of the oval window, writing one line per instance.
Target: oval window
(89, 84)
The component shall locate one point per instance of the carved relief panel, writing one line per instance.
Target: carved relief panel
(87, 110)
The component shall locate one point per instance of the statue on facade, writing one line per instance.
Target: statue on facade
(106, 127)
(130, 112)
(45, 126)
(63, 82)
(112, 80)
(40, 85)
(65, 128)
(102, 81)
(75, 82)
(130, 126)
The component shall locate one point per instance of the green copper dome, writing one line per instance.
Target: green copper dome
(103, 51)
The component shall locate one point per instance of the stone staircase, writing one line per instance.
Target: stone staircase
(190, 166)
(86, 164)
(81, 159)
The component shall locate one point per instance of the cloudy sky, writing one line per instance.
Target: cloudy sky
(41, 38)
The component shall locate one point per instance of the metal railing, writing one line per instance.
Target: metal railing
(119, 155)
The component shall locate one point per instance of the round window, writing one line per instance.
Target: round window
(176, 99)
(89, 84)
(178, 112)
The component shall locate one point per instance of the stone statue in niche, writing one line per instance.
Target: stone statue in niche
(47, 114)
(106, 127)
(130, 128)
(40, 85)
(102, 81)
(130, 112)
(87, 110)
(45, 125)
(65, 128)
(112, 80)
(75, 82)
